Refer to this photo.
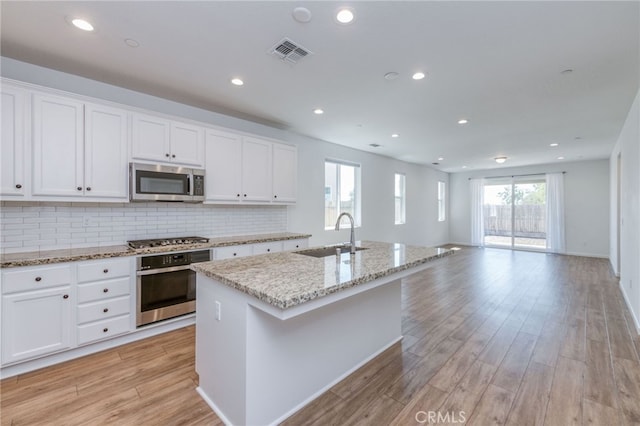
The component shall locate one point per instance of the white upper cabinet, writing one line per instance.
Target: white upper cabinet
(79, 151)
(285, 173)
(223, 178)
(243, 169)
(12, 152)
(58, 146)
(256, 169)
(105, 152)
(161, 140)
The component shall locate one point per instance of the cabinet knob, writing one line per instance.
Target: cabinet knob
(297, 245)
(104, 330)
(237, 195)
(235, 254)
(79, 188)
(167, 155)
(38, 279)
(105, 310)
(173, 156)
(88, 188)
(18, 186)
(275, 196)
(105, 290)
(268, 250)
(106, 271)
(245, 195)
(66, 296)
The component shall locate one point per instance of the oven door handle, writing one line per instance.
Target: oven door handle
(162, 270)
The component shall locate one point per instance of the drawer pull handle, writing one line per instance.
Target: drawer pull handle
(275, 196)
(104, 330)
(297, 245)
(235, 254)
(173, 156)
(79, 188)
(167, 155)
(18, 186)
(105, 290)
(237, 195)
(106, 271)
(268, 250)
(38, 279)
(105, 310)
(66, 296)
(88, 188)
(245, 195)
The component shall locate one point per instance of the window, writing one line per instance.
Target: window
(341, 192)
(442, 203)
(400, 199)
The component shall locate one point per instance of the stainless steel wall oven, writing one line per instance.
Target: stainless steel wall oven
(166, 286)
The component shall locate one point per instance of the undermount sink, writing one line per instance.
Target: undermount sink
(327, 251)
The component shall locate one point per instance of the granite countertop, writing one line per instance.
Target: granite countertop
(287, 279)
(10, 260)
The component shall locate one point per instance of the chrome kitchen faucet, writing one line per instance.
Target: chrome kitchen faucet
(353, 234)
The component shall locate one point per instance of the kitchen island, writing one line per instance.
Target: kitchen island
(275, 331)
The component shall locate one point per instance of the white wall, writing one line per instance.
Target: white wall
(628, 149)
(308, 215)
(586, 203)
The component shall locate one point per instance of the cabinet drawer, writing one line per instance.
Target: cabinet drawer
(289, 245)
(25, 279)
(104, 270)
(103, 290)
(102, 329)
(101, 310)
(232, 251)
(263, 248)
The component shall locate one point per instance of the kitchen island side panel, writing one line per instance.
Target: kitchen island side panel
(290, 362)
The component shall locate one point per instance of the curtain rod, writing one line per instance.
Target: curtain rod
(512, 176)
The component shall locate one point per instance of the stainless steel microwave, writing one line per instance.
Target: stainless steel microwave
(150, 182)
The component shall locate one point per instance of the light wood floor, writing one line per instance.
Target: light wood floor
(490, 337)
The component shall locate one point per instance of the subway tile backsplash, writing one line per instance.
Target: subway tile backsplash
(34, 226)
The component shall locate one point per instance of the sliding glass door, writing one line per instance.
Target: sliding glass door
(515, 212)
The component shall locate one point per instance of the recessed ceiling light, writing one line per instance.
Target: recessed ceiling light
(463, 121)
(131, 42)
(395, 135)
(418, 76)
(237, 82)
(345, 15)
(500, 160)
(554, 144)
(560, 158)
(318, 111)
(82, 24)
(440, 158)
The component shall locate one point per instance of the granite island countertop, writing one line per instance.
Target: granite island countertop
(288, 279)
(45, 257)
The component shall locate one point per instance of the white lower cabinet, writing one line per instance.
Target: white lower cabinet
(37, 308)
(104, 304)
(230, 252)
(291, 245)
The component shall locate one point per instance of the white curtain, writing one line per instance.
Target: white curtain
(555, 213)
(477, 217)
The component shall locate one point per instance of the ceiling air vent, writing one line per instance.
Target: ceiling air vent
(288, 50)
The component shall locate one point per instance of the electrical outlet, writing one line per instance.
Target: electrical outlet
(218, 310)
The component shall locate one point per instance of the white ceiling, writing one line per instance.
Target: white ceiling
(498, 64)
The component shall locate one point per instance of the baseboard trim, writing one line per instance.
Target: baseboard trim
(633, 314)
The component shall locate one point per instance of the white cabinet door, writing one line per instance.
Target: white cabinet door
(36, 323)
(106, 167)
(285, 173)
(187, 144)
(12, 150)
(151, 136)
(223, 178)
(58, 142)
(256, 170)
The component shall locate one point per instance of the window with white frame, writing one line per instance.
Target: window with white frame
(341, 192)
(442, 204)
(400, 199)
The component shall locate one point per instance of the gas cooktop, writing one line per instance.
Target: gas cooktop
(159, 242)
